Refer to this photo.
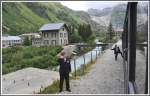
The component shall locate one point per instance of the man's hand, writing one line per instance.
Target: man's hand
(61, 57)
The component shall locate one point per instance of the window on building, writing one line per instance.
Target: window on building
(43, 35)
(61, 34)
(46, 42)
(65, 35)
(53, 42)
(55, 35)
(9, 43)
(63, 29)
(52, 35)
(46, 34)
(61, 41)
(64, 41)
(3, 45)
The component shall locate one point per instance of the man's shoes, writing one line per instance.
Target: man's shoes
(68, 90)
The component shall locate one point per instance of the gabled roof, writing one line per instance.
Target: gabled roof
(28, 34)
(52, 26)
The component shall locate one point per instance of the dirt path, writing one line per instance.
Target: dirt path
(105, 77)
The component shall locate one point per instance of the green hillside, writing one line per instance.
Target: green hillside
(25, 17)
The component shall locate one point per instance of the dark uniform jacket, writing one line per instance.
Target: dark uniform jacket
(116, 50)
(65, 66)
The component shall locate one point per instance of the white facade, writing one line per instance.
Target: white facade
(37, 42)
(56, 37)
(52, 37)
(63, 36)
(8, 41)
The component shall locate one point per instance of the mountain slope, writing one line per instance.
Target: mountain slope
(99, 13)
(14, 18)
(25, 17)
(87, 18)
(118, 15)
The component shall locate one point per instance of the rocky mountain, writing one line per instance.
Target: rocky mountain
(116, 15)
(87, 18)
(99, 13)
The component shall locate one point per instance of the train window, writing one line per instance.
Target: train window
(134, 43)
(141, 42)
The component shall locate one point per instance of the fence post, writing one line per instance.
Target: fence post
(100, 50)
(75, 67)
(84, 58)
(82, 69)
(91, 56)
(96, 54)
(40, 90)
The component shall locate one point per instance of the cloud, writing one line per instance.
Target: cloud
(85, 5)
(75, 5)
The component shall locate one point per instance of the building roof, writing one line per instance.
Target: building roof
(51, 26)
(27, 34)
(35, 35)
(11, 38)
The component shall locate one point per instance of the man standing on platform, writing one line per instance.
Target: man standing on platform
(65, 67)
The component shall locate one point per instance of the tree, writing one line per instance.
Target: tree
(88, 31)
(71, 31)
(75, 38)
(91, 39)
(81, 31)
(85, 31)
(73, 35)
(110, 31)
(27, 42)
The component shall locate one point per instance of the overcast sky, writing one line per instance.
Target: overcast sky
(84, 5)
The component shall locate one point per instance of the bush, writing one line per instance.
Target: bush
(39, 57)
